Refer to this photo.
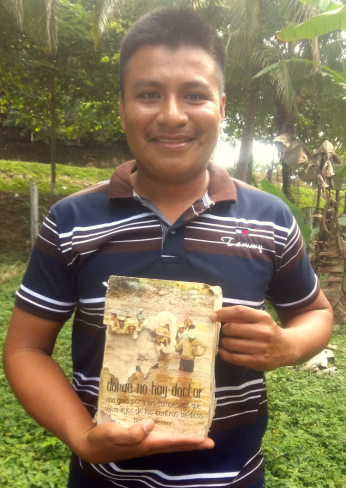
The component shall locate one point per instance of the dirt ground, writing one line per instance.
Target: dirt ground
(14, 208)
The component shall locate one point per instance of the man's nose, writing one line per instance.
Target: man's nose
(172, 113)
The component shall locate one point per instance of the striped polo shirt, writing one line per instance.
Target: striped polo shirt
(236, 237)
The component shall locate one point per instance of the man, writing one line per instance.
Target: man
(168, 214)
(121, 329)
(132, 330)
(140, 318)
(188, 348)
(181, 334)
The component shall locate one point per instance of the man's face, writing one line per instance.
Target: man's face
(172, 111)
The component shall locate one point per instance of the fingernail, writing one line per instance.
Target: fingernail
(148, 426)
(213, 316)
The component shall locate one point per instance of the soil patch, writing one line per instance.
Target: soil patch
(15, 223)
(15, 208)
(74, 155)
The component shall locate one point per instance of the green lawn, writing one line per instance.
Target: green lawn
(29, 456)
(305, 445)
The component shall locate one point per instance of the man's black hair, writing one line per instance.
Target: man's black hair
(172, 27)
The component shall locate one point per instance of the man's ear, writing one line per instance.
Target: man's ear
(122, 113)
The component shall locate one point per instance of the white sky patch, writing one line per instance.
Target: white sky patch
(227, 156)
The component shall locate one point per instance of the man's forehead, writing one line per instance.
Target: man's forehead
(189, 51)
(184, 50)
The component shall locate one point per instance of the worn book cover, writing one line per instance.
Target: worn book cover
(159, 354)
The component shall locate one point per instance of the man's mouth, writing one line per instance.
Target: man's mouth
(172, 141)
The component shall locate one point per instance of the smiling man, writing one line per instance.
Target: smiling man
(172, 214)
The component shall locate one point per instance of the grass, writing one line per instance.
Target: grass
(29, 456)
(16, 177)
(305, 444)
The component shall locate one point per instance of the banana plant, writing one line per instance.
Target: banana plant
(333, 17)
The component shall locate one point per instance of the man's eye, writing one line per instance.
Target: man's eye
(149, 95)
(195, 96)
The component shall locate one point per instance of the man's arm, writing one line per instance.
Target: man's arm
(45, 392)
(251, 337)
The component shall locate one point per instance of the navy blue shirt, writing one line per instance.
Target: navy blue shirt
(235, 236)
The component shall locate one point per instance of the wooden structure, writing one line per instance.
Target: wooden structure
(328, 260)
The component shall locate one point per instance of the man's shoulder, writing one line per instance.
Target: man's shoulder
(255, 196)
(83, 208)
(242, 184)
(99, 188)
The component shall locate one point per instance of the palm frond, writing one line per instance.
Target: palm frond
(111, 10)
(16, 7)
(38, 18)
(241, 17)
(279, 76)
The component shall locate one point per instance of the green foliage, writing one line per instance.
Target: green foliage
(304, 197)
(16, 176)
(305, 444)
(86, 79)
(332, 19)
(30, 457)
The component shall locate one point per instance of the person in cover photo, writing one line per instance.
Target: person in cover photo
(172, 214)
(188, 349)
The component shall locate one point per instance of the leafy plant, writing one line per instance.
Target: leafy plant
(16, 177)
(29, 456)
(304, 446)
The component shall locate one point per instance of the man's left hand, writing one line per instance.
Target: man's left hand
(251, 338)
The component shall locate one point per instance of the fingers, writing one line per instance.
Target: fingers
(238, 314)
(240, 359)
(135, 434)
(110, 442)
(251, 338)
(161, 442)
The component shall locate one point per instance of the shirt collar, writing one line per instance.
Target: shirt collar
(221, 185)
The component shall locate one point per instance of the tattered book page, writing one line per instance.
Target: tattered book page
(159, 354)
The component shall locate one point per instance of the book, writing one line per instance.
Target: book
(159, 354)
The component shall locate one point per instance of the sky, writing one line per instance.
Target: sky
(227, 156)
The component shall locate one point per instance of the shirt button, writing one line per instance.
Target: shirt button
(173, 231)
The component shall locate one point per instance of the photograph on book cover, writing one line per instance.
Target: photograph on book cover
(159, 353)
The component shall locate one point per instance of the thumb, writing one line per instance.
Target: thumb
(139, 431)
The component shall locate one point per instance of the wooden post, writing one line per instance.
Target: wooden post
(318, 201)
(337, 198)
(33, 212)
(308, 216)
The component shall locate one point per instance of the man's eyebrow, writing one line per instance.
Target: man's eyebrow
(191, 85)
(146, 82)
(197, 84)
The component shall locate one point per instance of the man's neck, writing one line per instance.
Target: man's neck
(171, 199)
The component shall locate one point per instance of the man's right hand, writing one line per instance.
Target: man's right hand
(110, 442)
(30, 368)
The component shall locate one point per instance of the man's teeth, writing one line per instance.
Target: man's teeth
(171, 141)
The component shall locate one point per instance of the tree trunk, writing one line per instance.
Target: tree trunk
(52, 126)
(286, 181)
(284, 125)
(246, 147)
(249, 174)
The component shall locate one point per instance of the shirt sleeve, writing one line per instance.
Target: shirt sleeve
(294, 284)
(49, 286)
